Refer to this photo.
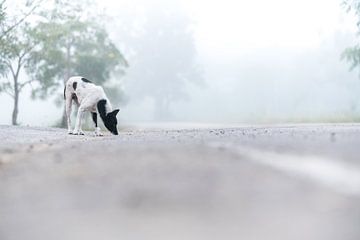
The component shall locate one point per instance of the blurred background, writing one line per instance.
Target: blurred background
(231, 62)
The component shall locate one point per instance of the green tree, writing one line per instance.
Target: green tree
(9, 23)
(15, 50)
(14, 54)
(64, 42)
(2, 13)
(71, 43)
(352, 54)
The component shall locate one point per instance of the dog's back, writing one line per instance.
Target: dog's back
(78, 88)
(73, 83)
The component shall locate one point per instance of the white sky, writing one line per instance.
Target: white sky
(279, 24)
(236, 25)
(263, 23)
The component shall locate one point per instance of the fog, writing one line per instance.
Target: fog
(231, 62)
(213, 140)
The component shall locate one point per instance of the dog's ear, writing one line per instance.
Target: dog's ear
(115, 112)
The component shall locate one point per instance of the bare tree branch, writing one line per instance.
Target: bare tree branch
(9, 65)
(24, 84)
(25, 52)
(31, 11)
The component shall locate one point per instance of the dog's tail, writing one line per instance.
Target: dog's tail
(64, 92)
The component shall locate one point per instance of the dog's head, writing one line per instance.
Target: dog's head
(110, 121)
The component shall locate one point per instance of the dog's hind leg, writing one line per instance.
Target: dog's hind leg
(77, 129)
(68, 104)
(97, 129)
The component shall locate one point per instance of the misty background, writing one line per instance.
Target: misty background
(222, 62)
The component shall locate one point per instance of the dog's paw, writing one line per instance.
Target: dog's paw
(78, 133)
(98, 134)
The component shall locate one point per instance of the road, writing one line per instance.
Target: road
(248, 182)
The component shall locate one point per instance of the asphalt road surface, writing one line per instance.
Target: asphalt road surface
(253, 182)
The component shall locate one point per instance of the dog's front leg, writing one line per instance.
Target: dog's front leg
(78, 130)
(97, 129)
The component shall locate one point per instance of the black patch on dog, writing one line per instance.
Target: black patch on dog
(101, 108)
(64, 92)
(74, 97)
(94, 118)
(109, 119)
(86, 80)
(75, 85)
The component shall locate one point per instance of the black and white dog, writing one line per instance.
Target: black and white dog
(92, 98)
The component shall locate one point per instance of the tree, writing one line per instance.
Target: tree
(2, 14)
(70, 43)
(14, 54)
(14, 51)
(8, 24)
(62, 43)
(162, 52)
(352, 54)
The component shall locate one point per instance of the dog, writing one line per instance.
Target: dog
(92, 98)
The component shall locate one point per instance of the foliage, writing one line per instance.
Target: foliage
(352, 54)
(14, 53)
(352, 5)
(70, 45)
(57, 43)
(10, 23)
(2, 13)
